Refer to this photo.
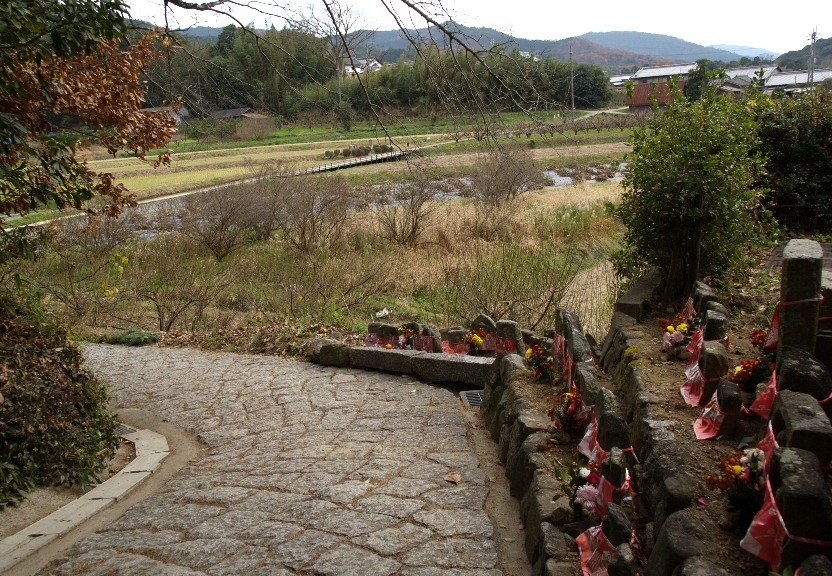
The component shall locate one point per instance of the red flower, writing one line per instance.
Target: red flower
(758, 338)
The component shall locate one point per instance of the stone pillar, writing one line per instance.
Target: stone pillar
(484, 322)
(803, 501)
(510, 331)
(614, 469)
(716, 325)
(823, 347)
(799, 289)
(435, 336)
(730, 404)
(799, 422)
(714, 364)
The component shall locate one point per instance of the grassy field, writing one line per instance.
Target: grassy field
(198, 165)
(193, 170)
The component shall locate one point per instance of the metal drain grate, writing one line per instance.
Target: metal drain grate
(122, 429)
(471, 397)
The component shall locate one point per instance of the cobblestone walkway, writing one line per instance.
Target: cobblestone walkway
(308, 470)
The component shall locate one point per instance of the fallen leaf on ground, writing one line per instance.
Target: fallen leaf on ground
(454, 477)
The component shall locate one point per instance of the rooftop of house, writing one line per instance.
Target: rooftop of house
(231, 113)
(797, 77)
(751, 71)
(663, 71)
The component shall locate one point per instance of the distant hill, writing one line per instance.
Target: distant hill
(588, 52)
(583, 51)
(659, 46)
(746, 51)
(202, 31)
(799, 59)
(611, 50)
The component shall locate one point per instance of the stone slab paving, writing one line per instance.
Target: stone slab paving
(307, 470)
(775, 259)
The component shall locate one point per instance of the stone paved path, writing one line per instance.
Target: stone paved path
(308, 470)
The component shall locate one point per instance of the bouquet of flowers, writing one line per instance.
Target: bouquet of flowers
(751, 372)
(475, 339)
(541, 360)
(408, 337)
(566, 412)
(758, 338)
(580, 481)
(741, 478)
(677, 335)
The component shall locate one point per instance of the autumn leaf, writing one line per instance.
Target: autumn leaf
(453, 477)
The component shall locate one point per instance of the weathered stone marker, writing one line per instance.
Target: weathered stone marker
(799, 295)
(730, 403)
(823, 347)
(799, 422)
(713, 363)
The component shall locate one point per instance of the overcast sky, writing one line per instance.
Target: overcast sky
(775, 26)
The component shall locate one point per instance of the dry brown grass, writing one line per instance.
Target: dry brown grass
(582, 193)
(451, 241)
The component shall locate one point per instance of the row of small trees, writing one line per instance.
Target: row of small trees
(358, 151)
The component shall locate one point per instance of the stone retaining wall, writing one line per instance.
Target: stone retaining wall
(800, 425)
(635, 433)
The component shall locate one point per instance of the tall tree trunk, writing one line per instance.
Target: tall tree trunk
(674, 282)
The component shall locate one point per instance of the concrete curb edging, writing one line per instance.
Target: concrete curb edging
(150, 447)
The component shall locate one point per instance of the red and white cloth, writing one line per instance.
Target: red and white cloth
(763, 403)
(588, 446)
(692, 388)
(596, 552)
(710, 422)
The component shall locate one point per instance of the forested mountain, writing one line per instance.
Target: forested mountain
(589, 52)
(659, 46)
(799, 59)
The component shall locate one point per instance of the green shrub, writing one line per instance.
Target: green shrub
(132, 337)
(796, 135)
(689, 203)
(54, 424)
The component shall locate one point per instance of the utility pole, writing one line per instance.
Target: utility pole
(572, 81)
(811, 78)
